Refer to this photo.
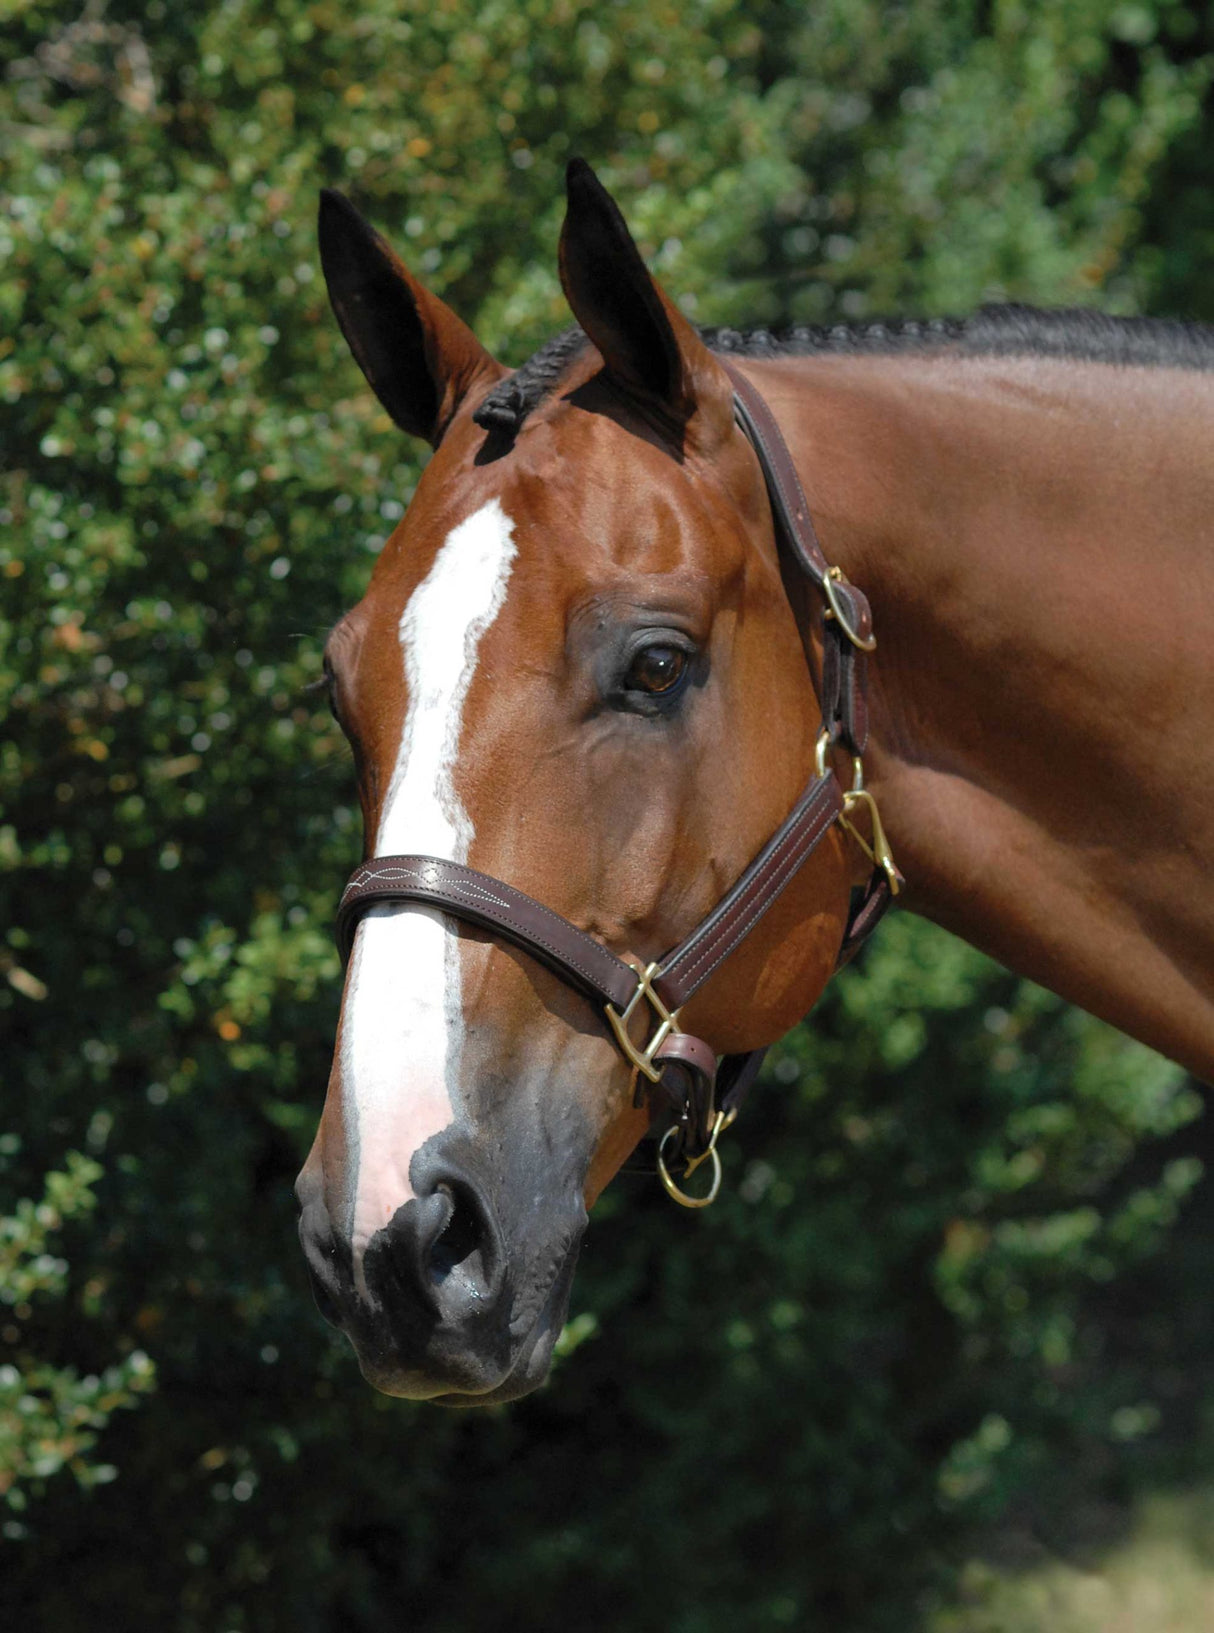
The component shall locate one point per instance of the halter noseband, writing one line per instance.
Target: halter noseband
(706, 1095)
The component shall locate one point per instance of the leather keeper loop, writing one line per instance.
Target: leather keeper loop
(689, 1076)
(844, 689)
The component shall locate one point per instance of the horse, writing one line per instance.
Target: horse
(586, 692)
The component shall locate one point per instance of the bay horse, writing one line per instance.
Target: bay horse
(585, 689)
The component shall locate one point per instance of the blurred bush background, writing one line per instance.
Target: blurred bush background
(957, 1289)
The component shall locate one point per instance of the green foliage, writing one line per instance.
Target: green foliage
(935, 1285)
(50, 1416)
(949, 160)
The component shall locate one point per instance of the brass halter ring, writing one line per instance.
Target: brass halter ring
(832, 578)
(711, 1155)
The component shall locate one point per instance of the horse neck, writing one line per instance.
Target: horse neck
(1032, 535)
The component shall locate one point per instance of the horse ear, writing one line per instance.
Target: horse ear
(646, 343)
(419, 358)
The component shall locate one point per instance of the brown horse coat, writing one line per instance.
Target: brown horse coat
(1025, 502)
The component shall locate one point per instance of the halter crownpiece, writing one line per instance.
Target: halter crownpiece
(705, 1094)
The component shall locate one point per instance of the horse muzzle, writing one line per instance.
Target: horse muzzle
(461, 1296)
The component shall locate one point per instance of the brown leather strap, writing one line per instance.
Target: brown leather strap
(688, 1064)
(866, 915)
(788, 499)
(577, 957)
(688, 966)
(845, 682)
(844, 666)
(735, 1077)
(431, 882)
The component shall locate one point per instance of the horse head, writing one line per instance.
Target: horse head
(576, 669)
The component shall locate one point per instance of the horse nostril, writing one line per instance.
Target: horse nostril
(459, 1237)
(464, 1249)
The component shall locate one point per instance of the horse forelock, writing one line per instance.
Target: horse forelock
(508, 404)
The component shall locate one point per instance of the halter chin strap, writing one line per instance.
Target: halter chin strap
(705, 1094)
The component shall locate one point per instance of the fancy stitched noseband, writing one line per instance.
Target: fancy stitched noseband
(706, 1094)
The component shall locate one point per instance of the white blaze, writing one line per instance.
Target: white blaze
(402, 1024)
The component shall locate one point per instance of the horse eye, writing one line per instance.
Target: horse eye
(656, 670)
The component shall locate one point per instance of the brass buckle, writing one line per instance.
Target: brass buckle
(668, 1021)
(863, 643)
(878, 853)
(711, 1154)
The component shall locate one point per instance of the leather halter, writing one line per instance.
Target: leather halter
(706, 1095)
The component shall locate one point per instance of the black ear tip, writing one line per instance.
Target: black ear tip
(334, 205)
(580, 178)
(340, 226)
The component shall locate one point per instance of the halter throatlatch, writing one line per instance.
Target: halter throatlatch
(642, 1007)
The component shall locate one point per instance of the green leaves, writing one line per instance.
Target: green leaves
(50, 1416)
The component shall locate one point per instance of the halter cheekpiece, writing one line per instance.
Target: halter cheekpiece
(705, 1094)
